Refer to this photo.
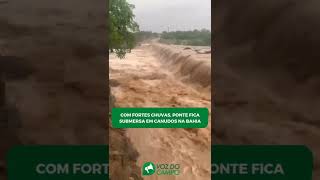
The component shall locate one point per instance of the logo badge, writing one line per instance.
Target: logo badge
(148, 169)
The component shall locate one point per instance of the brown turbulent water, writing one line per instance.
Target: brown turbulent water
(142, 80)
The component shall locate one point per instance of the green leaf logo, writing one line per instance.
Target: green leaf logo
(148, 169)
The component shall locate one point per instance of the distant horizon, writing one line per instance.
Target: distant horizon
(174, 15)
(174, 31)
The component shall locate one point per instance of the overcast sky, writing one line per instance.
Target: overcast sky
(158, 15)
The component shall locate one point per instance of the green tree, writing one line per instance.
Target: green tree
(121, 27)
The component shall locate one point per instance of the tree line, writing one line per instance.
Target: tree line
(192, 38)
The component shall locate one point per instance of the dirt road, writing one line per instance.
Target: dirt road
(141, 80)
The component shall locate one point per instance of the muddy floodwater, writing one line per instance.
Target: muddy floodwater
(143, 80)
